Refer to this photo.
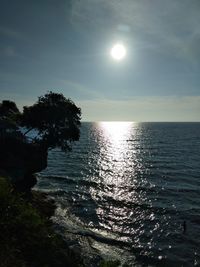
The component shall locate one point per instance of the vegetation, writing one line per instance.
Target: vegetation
(27, 239)
(56, 120)
(110, 264)
(9, 116)
(8, 109)
(56, 123)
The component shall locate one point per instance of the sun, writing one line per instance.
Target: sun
(118, 52)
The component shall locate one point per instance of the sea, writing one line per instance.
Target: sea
(131, 191)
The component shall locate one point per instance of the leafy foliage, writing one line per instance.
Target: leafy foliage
(9, 115)
(56, 119)
(8, 109)
(110, 264)
(26, 238)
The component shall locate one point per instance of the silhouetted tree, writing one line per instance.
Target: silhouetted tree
(9, 116)
(56, 119)
(8, 109)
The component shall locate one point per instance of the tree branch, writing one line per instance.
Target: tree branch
(28, 131)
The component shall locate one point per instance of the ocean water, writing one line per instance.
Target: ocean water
(130, 188)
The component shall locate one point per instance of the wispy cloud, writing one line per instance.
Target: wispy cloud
(83, 92)
(5, 31)
(9, 35)
(171, 26)
(8, 51)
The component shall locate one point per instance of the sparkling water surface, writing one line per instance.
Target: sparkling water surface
(130, 187)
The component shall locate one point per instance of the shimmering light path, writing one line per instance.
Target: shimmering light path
(131, 185)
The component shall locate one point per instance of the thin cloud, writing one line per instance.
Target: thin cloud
(10, 33)
(143, 108)
(8, 51)
(86, 92)
(169, 26)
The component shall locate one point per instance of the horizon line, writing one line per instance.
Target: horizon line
(141, 121)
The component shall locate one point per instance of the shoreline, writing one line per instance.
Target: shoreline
(80, 242)
(29, 237)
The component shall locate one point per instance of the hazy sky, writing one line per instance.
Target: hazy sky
(64, 46)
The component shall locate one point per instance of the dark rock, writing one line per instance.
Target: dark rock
(20, 160)
(43, 203)
(25, 184)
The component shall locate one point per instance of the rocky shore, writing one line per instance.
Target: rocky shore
(28, 238)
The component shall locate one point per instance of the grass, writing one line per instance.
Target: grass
(110, 263)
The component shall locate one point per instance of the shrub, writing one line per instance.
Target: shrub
(26, 238)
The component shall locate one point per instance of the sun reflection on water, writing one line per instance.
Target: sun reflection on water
(116, 163)
(120, 175)
(116, 131)
(115, 138)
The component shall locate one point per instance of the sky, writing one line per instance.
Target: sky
(64, 46)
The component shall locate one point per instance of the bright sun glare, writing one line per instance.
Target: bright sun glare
(116, 130)
(118, 52)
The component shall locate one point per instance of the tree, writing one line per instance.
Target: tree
(8, 109)
(9, 117)
(56, 120)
